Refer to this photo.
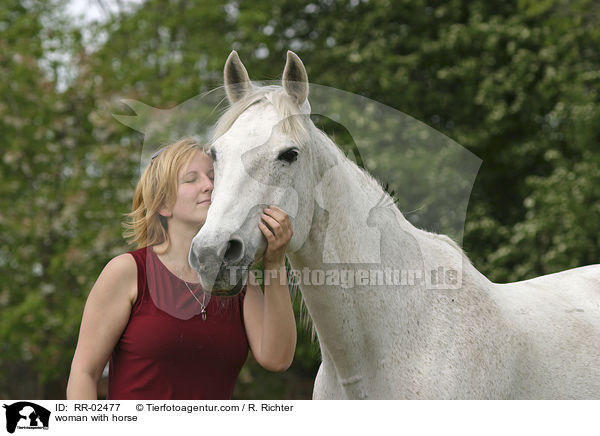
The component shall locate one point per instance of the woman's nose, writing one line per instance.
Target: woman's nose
(208, 185)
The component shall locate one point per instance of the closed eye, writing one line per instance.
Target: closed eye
(289, 155)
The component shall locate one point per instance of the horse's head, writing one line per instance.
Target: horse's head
(262, 156)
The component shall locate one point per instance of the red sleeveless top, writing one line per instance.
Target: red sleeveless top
(167, 351)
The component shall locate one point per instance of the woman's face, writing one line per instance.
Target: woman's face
(194, 187)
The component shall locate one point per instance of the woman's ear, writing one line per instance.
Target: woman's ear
(165, 211)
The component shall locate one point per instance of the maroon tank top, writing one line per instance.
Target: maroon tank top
(167, 351)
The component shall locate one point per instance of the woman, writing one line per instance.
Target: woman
(166, 338)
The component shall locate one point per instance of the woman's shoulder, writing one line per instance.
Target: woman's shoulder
(127, 262)
(122, 269)
(122, 264)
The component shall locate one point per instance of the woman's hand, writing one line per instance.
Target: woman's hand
(278, 234)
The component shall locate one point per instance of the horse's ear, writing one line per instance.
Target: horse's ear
(237, 82)
(295, 79)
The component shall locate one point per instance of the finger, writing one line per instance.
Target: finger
(282, 218)
(273, 224)
(275, 207)
(277, 213)
(266, 231)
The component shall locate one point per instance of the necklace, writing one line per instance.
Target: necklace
(202, 305)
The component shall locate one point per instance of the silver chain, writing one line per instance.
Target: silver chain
(202, 305)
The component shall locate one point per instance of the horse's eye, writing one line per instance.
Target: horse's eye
(288, 155)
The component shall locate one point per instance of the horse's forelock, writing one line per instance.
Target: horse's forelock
(293, 119)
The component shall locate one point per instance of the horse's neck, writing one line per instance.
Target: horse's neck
(340, 239)
(349, 320)
(362, 323)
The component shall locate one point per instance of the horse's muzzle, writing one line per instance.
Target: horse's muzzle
(222, 270)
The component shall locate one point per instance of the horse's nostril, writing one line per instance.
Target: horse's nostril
(234, 250)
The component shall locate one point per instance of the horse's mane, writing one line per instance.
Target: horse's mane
(386, 199)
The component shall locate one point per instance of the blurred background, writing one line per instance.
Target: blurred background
(516, 82)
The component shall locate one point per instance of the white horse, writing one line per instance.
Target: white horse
(473, 339)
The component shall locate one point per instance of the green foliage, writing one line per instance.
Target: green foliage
(514, 82)
(57, 177)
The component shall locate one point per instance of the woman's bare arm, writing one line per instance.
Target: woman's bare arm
(105, 316)
(269, 321)
(269, 318)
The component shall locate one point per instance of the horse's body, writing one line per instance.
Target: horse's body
(534, 339)
(471, 339)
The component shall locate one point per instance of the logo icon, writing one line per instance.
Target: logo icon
(26, 415)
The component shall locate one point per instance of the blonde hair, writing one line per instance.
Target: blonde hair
(156, 188)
